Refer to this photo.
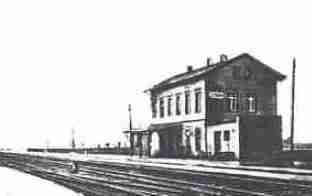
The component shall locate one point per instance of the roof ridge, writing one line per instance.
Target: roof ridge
(211, 67)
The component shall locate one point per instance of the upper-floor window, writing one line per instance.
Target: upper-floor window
(187, 102)
(154, 108)
(161, 107)
(251, 103)
(178, 104)
(198, 97)
(169, 106)
(232, 102)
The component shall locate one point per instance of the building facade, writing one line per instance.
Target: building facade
(226, 107)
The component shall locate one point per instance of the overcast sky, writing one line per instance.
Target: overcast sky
(78, 64)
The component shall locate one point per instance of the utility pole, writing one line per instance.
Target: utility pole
(292, 106)
(130, 117)
(130, 130)
(73, 143)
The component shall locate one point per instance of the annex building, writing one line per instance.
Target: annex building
(229, 107)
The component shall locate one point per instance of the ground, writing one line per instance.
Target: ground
(15, 183)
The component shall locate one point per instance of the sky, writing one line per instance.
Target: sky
(73, 64)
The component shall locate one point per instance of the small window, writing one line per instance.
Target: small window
(226, 135)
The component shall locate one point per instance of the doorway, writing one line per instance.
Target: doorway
(217, 141)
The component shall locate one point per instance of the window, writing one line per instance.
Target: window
(187, 102)
(226, 135)
(161, 107)
(232, 104)
(178, 104)
(169, 106)
(154, 108)
(251, 103)
(197, 139)
(198, 95)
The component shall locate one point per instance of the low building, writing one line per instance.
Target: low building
(226, 107)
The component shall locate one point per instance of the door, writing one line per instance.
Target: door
(217, 141)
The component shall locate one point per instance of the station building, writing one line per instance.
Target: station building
(224, 107)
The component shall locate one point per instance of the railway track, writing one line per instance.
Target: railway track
(107, 178)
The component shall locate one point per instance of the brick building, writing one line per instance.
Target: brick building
(228, 106)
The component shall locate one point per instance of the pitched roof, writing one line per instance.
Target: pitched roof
(207, 69)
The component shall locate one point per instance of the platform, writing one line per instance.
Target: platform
(193, 165)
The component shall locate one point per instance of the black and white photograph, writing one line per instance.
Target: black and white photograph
(155, 98)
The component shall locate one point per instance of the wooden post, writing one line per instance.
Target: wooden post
(73, 142)
(292, 106)
(130, 117)
(130, 131)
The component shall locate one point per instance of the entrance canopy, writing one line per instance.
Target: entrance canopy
(165, 126)
(135, 131)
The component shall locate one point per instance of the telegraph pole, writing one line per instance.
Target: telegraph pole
(130, 117)
(73, 142)
(130, 129)
(292, 106)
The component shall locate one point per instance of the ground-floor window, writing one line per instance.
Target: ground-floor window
(226, 135)
(197, 139)
(187, 142)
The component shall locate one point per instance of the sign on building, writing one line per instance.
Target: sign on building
(216, 95)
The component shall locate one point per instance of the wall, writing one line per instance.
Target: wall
(182, 117)
(260, 82)
(232, 145)
(191, 126)
(260, 136)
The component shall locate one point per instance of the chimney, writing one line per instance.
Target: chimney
(189, 68)
(209, 62)
(223, 58)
